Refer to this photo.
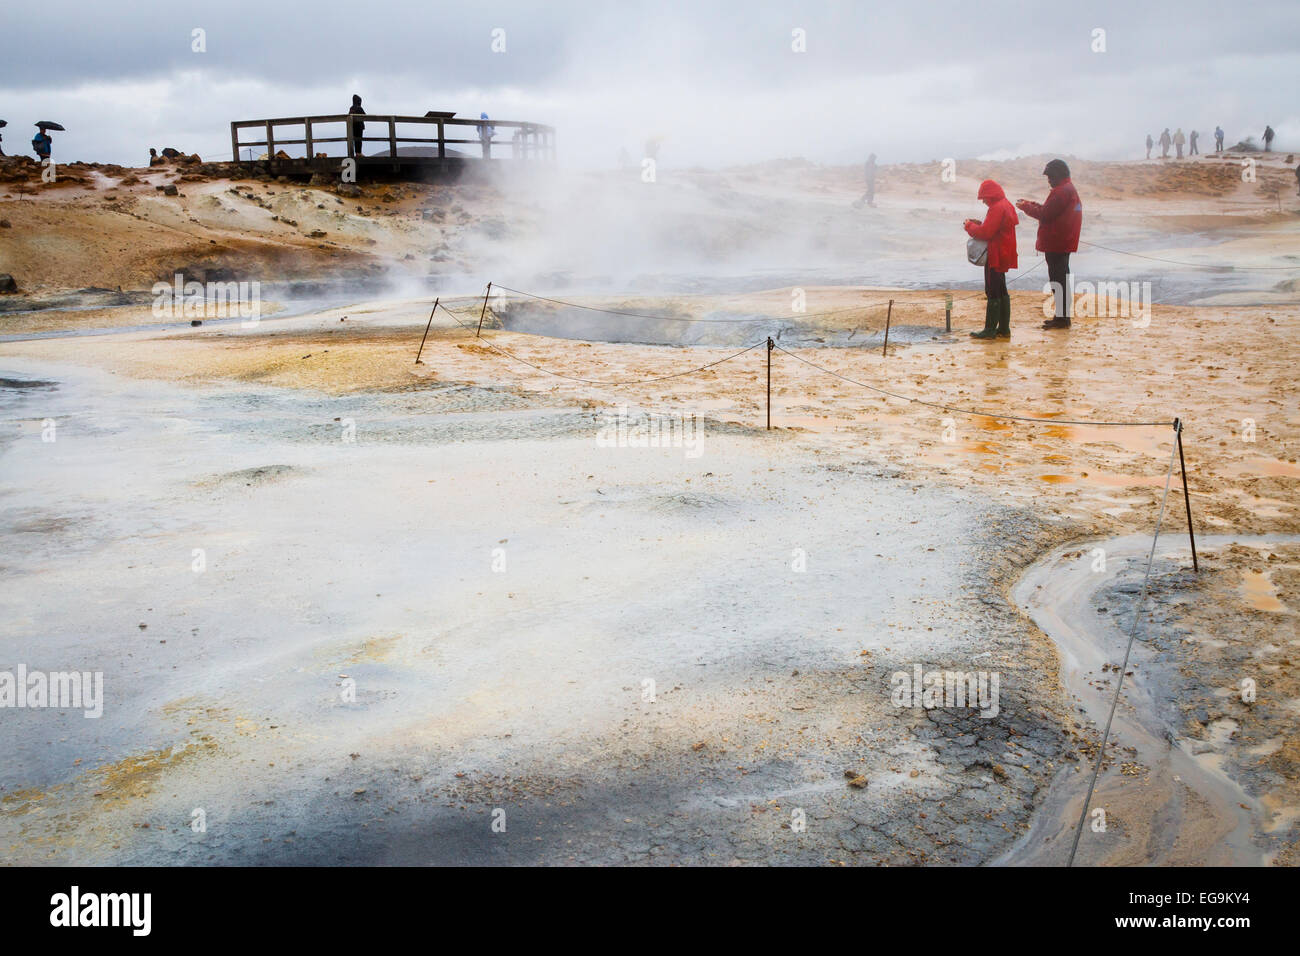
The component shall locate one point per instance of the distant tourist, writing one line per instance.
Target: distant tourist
(41, 144)
(1179, 139)
(358, 127)
(485, 133)
(1268, 138)
(1150, 142)
(1218, 139)
(1165, 140)
(1191, 144)
(1060, 218)
(1297, 179)
(999, 230)
(869, 197)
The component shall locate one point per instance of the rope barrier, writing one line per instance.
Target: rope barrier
(857, 308)
(965, 411)
(1119, 684)
(588, 381)
(1194, 265)
(1014, 278)
(821, 368)
(678, 318)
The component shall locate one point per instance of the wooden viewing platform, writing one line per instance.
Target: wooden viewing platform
(426, 146)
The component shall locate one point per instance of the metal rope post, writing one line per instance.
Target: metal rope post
(884, 351)
(426, 331)
(1187, 500)
(770, 345)
(483, 310)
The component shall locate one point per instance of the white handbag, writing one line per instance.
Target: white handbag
(977, 251)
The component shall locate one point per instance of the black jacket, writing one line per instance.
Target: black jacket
(359, 127)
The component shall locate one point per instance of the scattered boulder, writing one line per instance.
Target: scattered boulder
(351, 190)
(7, 283)
(170, 190)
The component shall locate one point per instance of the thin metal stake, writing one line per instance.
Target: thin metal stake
(1187, 500)
(770, 344)
(885, 349)
(426, 331)
(483, 310)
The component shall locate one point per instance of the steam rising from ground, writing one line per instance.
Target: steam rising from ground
(774, 224)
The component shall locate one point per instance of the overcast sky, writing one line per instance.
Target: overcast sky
(719, 82)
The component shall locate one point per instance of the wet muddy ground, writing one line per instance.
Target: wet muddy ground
(351, 608)
(649, 679)
(521, 690)
(1194, 771)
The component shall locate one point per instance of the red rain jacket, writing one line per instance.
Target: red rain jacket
(998, 227)
(1059, 219)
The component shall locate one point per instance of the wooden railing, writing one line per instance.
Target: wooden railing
(533, 141)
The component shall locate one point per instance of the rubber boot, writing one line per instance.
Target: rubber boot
(1004, 317)
(990, 321)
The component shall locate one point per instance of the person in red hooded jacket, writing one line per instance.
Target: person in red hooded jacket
(999, 230)
(1059, 220)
